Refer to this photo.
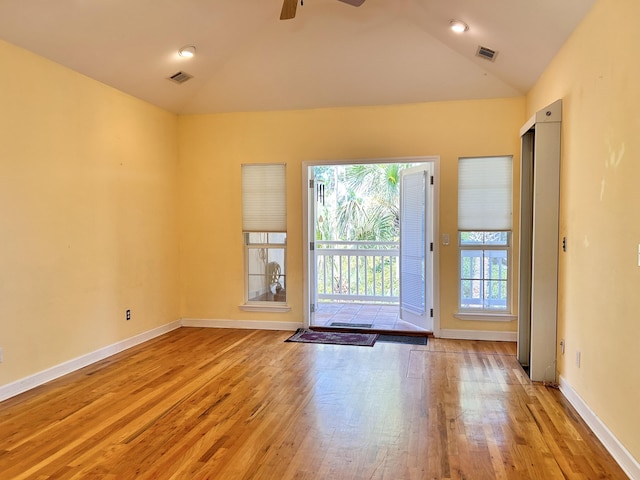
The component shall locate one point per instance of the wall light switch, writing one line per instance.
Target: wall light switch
(445, 241)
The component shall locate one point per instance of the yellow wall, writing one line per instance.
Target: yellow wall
(87, 215)
(95, 186)
(212, 148)
(597, 74)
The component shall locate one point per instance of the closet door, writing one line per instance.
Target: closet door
(539, 241)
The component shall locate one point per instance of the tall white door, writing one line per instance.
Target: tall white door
(539, 242)
(416, 246)
(313, 196)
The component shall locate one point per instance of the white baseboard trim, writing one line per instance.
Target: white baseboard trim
(24, 384)
(243, 324)
(32, 381)
(621, 455)
(498, 336)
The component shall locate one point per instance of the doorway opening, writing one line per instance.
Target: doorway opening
(369, 245)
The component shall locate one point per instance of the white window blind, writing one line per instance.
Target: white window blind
(485, 192)
(264, 207)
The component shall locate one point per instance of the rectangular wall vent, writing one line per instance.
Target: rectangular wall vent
(487, 53)
(180, 77)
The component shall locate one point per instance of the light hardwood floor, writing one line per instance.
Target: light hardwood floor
(238, 404)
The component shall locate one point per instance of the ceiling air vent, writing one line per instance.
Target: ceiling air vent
(486, 53)
(180, 77)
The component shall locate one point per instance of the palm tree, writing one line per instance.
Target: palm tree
(361, 204)
(381, 180)
(365, 201)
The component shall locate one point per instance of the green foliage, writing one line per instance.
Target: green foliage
(361, 202)
(337, 275)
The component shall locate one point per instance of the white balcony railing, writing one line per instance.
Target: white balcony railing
(357, 271)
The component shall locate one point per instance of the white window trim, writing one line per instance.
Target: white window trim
(477, 178)
(273, 307)
(486, 317)
(264, 209)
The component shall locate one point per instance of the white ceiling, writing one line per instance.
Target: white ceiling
(331, 54)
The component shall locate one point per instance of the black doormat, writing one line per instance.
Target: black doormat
(351, 325)
(409, 339)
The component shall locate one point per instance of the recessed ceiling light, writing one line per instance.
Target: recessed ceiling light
(458, 26)
(187, 51)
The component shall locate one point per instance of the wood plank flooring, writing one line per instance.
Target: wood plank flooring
(239, 404)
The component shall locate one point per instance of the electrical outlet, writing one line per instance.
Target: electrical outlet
(128, 314)
(562, 345)
(578, 355)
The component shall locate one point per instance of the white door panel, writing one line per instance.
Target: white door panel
(416, 245)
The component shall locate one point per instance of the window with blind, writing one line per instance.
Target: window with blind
(264, 226)
(485, 198)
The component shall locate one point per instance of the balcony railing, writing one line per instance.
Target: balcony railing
(484, 284)
(357, 271)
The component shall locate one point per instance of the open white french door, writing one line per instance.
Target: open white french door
(313, 196)
(416, 245)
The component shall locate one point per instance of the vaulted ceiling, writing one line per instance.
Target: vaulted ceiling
(331, 54)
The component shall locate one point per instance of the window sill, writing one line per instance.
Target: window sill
(486, 317)
(265, 307)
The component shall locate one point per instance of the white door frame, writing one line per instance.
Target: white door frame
(435, 160)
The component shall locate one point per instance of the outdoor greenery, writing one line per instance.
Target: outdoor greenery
(358, 276)
(360, 204)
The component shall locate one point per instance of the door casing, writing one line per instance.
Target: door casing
(307, 228)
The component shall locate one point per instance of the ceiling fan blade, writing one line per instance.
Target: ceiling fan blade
(355, 3)
(288, 9)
